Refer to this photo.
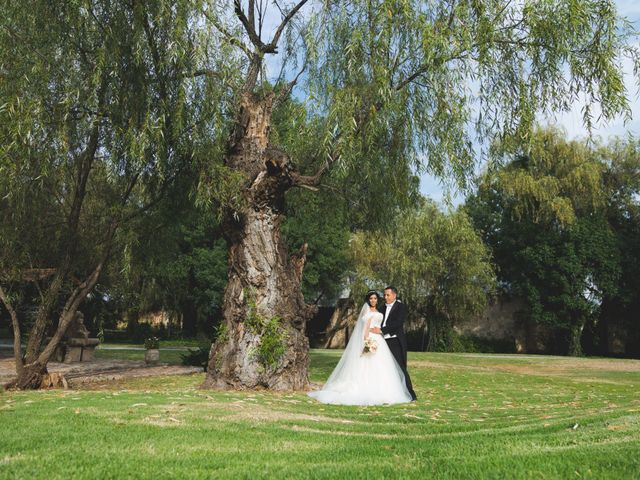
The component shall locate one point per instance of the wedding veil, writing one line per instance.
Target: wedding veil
(344, 371)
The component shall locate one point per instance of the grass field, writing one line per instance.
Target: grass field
(478, 416)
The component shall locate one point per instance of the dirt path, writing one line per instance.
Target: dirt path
(78, 374)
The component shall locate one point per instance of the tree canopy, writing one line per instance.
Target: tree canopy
(551, 216)
(392, 86)
(438, 262)
(93, 130)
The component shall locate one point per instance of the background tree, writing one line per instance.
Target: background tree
(93, 129)
(618, 312)
(318, 221)
(390, 84)
(438, 261)
(321, 219)
(543, 214)
(175, 262)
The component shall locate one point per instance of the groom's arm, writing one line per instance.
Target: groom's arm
(396, 320)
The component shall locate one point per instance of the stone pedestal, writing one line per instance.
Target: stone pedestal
(152, 356)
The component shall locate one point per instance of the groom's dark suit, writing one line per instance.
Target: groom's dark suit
(394, 325)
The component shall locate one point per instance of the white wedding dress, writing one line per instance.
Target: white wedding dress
(373, 378)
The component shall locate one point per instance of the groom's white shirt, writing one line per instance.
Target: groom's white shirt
(386, 315)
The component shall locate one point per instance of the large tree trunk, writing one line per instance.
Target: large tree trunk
(575, 338)
(262, 342)
(30, 377)
(189, 310)
(440, 333)
(341, 324)
(32, 373)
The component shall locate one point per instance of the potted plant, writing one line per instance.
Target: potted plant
(152, 353)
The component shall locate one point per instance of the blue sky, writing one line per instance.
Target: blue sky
(572, 121)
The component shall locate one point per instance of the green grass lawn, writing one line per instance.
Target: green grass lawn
(478, 416)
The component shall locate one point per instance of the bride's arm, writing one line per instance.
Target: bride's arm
(375, 329)
(366, 327)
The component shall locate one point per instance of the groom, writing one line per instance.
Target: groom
(394, 314)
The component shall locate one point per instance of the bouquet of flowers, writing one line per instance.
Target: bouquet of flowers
(370, 346)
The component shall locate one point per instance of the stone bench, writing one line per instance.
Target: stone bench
(79, 349)
(76, 346)
(72, 350)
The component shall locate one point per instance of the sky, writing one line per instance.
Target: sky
(570, 121)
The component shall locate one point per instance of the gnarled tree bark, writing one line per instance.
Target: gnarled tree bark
(263, 279)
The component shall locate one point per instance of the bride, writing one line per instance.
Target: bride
(365, 378)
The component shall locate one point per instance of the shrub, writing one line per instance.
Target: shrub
(198, 357)
(151, 343)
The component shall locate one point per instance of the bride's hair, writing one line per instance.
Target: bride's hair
(369, 293)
